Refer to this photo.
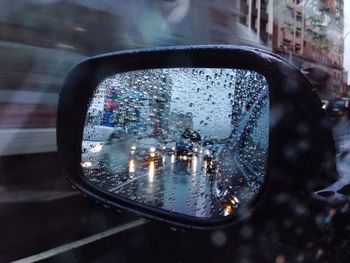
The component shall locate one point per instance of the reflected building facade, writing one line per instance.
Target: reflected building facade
(179, 122)
(138, 102)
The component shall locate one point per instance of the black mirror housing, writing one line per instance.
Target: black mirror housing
(301, 154)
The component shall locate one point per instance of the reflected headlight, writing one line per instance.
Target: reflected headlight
(228, 210)
(96, 148)
(207, 152)
(173, 148)
(152, 149)
(86, 164)
(131, 166)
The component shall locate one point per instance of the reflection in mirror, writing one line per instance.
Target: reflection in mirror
(188, 140)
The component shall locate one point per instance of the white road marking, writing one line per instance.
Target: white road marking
(79, 243)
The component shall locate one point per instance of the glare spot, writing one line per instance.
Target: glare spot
(218, 238)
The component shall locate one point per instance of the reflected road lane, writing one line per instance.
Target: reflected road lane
(183, 186)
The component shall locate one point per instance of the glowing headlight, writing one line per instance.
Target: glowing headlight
(86, 164)
(96, 148)
(236, 199)
(131, 166)
(133, 147)
(152, 149)
(228, 210)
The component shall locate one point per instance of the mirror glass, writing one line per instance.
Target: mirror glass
(188, 140)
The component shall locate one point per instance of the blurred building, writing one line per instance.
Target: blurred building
(229, 22)
(309, 34)
(42, 40)
(257, 15)
(179, 122)
(138, 101)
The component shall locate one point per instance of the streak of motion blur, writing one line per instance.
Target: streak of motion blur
(42, 40)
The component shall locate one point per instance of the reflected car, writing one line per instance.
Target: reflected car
(224, 194)
(184, 149)
(94, 139)
(146, 149)
(207, 154)
(345, 101)
(210, 151)
(212, 166)
(337, 108)
(170, 147)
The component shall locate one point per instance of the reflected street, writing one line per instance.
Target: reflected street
(187, 185)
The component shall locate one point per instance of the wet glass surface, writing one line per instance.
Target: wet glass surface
(188, 140)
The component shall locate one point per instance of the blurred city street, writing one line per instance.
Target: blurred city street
(182, 186)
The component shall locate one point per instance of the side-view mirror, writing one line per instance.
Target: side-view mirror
(194, 136)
